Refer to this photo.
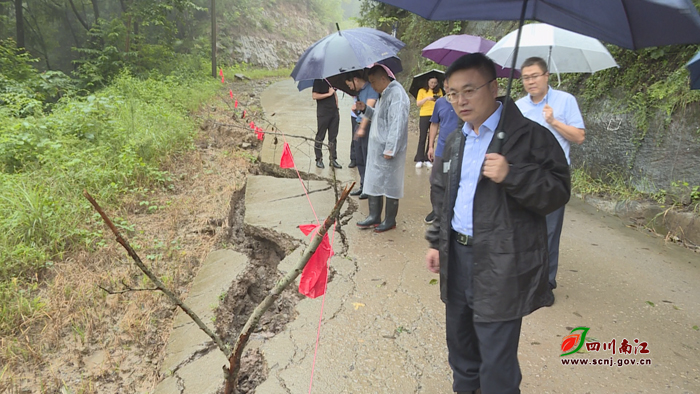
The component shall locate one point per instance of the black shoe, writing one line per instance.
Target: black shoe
(430, 218)
(363, 196)
(319, 163)
(357, 192)
(352, 164)
(335, 164)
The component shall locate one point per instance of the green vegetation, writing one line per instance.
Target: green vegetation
(110, 142)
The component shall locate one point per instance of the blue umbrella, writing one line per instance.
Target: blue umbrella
(338, 81)
(630, 24)
(694, 67)
(343, 51)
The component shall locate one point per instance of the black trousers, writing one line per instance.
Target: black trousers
(361, 154)
(482, 355)
(327, 121)
(424, 129)
(353, 125)
(434, 173)
(555, 222)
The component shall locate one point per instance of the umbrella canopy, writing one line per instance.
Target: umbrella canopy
(344, 51)
(338, 81)
(421, 81)
(630, 24)
(449, 48)
(564, 51)
(694, 68)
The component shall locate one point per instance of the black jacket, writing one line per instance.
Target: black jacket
(510, 233)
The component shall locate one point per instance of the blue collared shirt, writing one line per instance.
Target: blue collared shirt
(445, 115)
(565, 110)
(367, 93)
(475, 148)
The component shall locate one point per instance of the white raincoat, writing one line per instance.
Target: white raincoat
(388, 135)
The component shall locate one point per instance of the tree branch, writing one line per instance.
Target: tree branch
(155, 279)
(252, 323)
(77, 14)
(127, 287)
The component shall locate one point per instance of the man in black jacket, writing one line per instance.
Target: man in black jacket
(489, 241)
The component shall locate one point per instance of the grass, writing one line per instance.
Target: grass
(611, 184)
(56, 253)
(256, 73)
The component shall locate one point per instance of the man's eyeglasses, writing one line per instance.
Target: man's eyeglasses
(465, 94)
(526, 78)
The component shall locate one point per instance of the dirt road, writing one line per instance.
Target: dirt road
(383, 325)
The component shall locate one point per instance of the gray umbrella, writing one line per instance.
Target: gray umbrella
(343, 51)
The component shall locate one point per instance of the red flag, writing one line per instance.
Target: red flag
(287, 161)
(235, 105)
(230, 93)
(243, 116)
(221, 72)
(315, 275)
(259, 135)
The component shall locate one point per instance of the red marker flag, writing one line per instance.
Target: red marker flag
(243, 116)
(287, 161)
(230, 93)
(260, 135)
(222, 77)
(315, 275)
(235, 105)
(221, 72)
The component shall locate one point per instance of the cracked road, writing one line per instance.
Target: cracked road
(383, 323)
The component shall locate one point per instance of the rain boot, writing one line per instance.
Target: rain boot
(375, 212)
(392, 208)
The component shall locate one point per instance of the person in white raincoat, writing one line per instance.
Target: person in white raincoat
(386, 153)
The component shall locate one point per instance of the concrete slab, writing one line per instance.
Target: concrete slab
(295, 114)
(281, 205)
(187, 361)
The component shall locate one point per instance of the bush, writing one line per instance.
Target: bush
(110, 143)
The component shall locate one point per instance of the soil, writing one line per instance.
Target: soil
(100, 333)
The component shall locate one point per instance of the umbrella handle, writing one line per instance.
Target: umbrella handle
(500, 135)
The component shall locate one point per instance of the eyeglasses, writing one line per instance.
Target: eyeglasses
(526, 78)
(465, 94)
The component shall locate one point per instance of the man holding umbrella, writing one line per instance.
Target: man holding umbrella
(356, 81)
(386, 151)
(489, 241)
(558, 112)
(328, 119)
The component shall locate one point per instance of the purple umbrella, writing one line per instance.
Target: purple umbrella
(447, 49)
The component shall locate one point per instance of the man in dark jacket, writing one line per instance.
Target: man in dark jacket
(489, 241)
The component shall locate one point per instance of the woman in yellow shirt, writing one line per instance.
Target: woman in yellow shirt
(426, 101)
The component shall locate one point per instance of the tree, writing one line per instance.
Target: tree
(19, 23)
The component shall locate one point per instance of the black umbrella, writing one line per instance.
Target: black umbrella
(630, 24)
(421, 81)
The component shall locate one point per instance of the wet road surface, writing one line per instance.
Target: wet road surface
(383, 322)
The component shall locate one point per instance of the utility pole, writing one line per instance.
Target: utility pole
(213, 38)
